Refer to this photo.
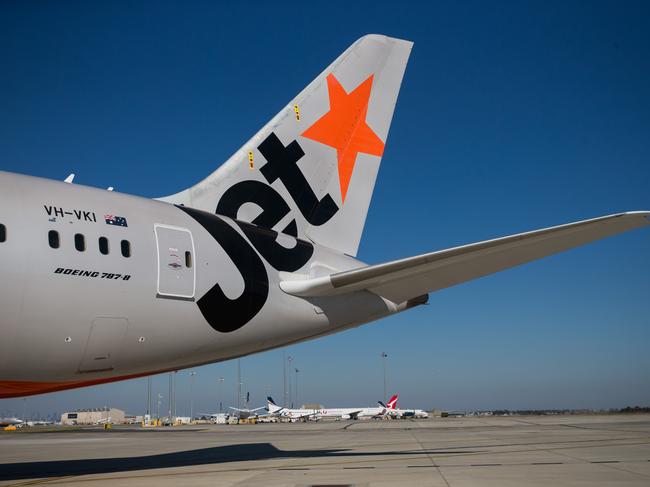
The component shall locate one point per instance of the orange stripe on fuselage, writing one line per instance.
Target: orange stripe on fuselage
(13, 388)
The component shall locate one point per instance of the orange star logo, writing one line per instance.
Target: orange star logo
(344, 127)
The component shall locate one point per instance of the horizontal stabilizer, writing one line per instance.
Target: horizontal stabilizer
(408, 278)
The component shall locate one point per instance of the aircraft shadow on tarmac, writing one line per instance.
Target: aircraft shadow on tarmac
(189, 458)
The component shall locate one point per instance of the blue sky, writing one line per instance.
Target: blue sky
(512, 116)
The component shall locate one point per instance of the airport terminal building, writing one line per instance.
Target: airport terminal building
(93, 416)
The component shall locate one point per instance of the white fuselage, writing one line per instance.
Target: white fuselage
(332, 413)
(409, 413)
(191, 288)
(350, 413)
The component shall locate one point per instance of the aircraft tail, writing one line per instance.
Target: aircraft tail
(392, 403)
(310, 171)
(272, 406)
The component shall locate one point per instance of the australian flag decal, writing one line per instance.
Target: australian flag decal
(118, 221)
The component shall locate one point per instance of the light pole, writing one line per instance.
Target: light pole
(238, 383)
(219, 382)
(149, 397)
(174, 390)
(290, 359)
(384, 356)
(159, 401)
(169, 399)
(297, 401)
(192, 374)
(284, 378)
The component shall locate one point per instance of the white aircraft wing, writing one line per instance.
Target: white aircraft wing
(246, 410)
(301, 416)
(306, 415)
(412, 277)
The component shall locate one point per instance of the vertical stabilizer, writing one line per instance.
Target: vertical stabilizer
(271, 406)
(311, 171)
(392, 404)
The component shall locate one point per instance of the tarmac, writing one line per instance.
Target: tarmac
(486, 451)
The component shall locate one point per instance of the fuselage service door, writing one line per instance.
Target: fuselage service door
(176, 270)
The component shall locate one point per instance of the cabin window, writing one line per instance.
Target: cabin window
(53, 238)
(103, 245)
(3, 233)
(79, 242)
(188, 259)
(126, 248)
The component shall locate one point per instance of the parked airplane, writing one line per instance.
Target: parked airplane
(245, 413)
(354, 413)
(332, 413)
(103, 286)
(408, 413)
(11, 422)
(393, 411)
(293, 414)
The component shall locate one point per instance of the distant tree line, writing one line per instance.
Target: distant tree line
(548, 412)
(530, 412)
(636, 409)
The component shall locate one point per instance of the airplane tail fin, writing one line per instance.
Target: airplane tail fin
(392, 403)
(310, 171)
(272, 406)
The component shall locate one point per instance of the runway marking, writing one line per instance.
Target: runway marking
(606, 464)
(549, 447)
(430, 456)
(577, 426)
(93, 478)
